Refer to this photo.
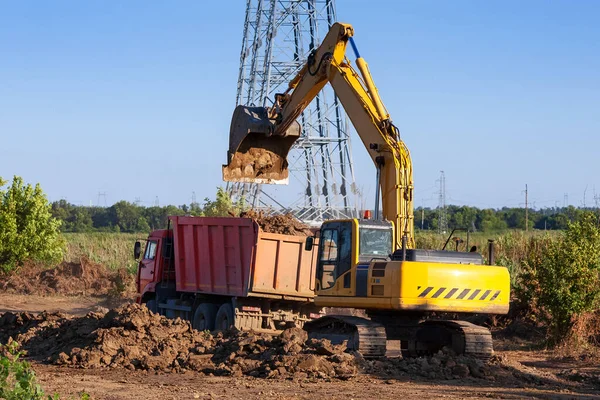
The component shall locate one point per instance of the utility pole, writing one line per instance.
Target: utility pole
(442, 219)
(422, 216)
(526, 211)
(103, 195)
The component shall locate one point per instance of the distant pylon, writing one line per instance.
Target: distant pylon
(278, 36)
(442, 217)
(103, 195)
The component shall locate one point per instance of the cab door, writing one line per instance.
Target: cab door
(148, 264)
(335, 259)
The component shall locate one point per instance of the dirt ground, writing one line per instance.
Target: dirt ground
(517, 373)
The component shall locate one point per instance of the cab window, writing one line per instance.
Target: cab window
(375, 242)
(150, 250)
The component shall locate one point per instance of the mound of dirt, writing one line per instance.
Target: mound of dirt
(285, 224)
(134, 338)
(70, 279)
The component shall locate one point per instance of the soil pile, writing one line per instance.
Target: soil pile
(285, 224)
(134, 338)
(443, 365)
(70, 279)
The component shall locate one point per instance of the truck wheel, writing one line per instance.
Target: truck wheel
(224, 319)
(204, 317)
(151, 305)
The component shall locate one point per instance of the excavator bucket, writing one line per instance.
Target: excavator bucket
(256, 152)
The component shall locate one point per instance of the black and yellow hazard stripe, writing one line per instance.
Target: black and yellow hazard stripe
(473, 294)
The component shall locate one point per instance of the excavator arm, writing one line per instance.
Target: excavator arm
(260, 138)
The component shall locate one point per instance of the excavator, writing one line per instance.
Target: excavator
(371, 263)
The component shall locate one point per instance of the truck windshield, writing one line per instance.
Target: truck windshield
(375, 242)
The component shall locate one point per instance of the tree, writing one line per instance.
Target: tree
(222, 206)
(27, 229)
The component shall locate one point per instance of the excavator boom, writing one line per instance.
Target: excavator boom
(260, 138)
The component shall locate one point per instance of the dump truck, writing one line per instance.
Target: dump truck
(219, 272)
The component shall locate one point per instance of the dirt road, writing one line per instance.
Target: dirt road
(519, 374)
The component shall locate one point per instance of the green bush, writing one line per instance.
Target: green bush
(18, 380)
(27, 229)
(562, 280)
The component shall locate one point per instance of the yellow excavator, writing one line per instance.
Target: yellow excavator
(371, 264)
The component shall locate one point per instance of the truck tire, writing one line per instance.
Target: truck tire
(204, 317)
(224, 319)
(151, 305)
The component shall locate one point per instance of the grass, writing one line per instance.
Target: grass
(113, 250)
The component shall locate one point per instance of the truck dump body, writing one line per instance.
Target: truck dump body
(234, 257)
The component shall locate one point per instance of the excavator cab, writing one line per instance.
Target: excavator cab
(257, 149)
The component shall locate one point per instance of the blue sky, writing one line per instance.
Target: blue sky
(134, 98)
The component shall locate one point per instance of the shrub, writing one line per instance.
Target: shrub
(27, 229)
(563, 281)
(18, 380)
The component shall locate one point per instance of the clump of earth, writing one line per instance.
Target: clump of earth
(285, 224)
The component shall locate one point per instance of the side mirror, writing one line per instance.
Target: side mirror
(137, 250)
(309, 243)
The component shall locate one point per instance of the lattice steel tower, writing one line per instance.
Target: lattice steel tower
(278, 36)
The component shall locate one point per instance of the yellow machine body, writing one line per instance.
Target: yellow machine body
(352, 280)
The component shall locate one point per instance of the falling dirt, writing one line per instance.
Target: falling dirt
(285, 224)
(84, 278)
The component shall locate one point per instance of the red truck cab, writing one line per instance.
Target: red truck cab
(151, 264)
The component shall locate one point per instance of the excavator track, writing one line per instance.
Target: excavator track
(461, 336)
(366, 337)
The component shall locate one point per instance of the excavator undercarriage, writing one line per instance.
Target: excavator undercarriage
(369, 337)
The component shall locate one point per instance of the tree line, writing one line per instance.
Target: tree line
(487, 220)
(124, 216)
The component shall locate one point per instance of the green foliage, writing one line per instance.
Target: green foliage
(491, 220)
(562, 281)
(27, 229)
(17, 379)
(222, 206)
